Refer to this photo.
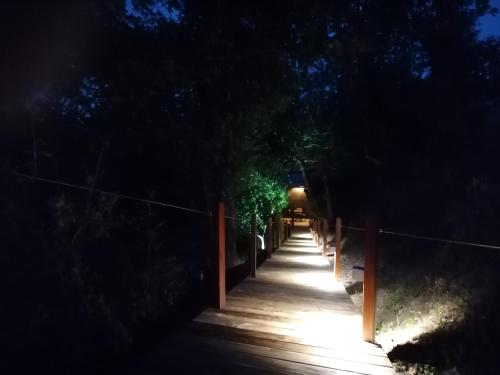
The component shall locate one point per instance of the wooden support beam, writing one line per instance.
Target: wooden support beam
(252, 256)
(370, 285)
(338, 247)
(282, 230)
(221, 256)
(317, 231)
(276, 233)
(279, 230)
(325, 237)
(270, 237)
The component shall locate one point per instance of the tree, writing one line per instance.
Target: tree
(261, 196)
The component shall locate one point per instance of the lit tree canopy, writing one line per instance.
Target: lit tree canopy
(262, 196)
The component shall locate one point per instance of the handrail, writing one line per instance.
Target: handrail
(428, 238)
(124, 196)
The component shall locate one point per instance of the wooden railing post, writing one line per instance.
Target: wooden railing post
(270, 237)
(338, 247)
(276, 233)
(283, 229)
(252, 256)
(325, 237)
(369, 285)
(313, 227)
(221, 256)
(318, 230)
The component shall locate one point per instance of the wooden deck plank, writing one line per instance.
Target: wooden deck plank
(214, 330)
(255, 356)
(303, 335)
(269, 341)
(293, 318)
(216, 345)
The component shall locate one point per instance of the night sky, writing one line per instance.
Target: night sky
(489, 25)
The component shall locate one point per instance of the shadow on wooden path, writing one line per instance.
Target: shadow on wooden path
(292, 318)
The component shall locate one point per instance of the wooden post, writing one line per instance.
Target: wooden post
(316, 231)
(221, 255)
(270, 237)
(279, 231)
(282, 230)
(276, 233)
(325, 237)
(369, 285)
(252, 256)
(338, 247)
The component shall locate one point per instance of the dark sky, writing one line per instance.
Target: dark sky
(490, 25)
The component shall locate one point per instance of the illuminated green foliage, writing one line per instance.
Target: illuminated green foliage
(263, 196)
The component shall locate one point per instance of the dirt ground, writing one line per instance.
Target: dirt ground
(435, 304)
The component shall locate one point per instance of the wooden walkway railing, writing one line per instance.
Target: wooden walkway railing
(293, 317)
(320, 230)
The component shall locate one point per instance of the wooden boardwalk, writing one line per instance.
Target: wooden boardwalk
(292, 318)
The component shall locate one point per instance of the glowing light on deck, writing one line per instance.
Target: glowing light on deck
(313, 260)
(327, 328)
(316, 280)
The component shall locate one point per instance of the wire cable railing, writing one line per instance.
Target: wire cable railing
(124, 196)
(427, 238)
